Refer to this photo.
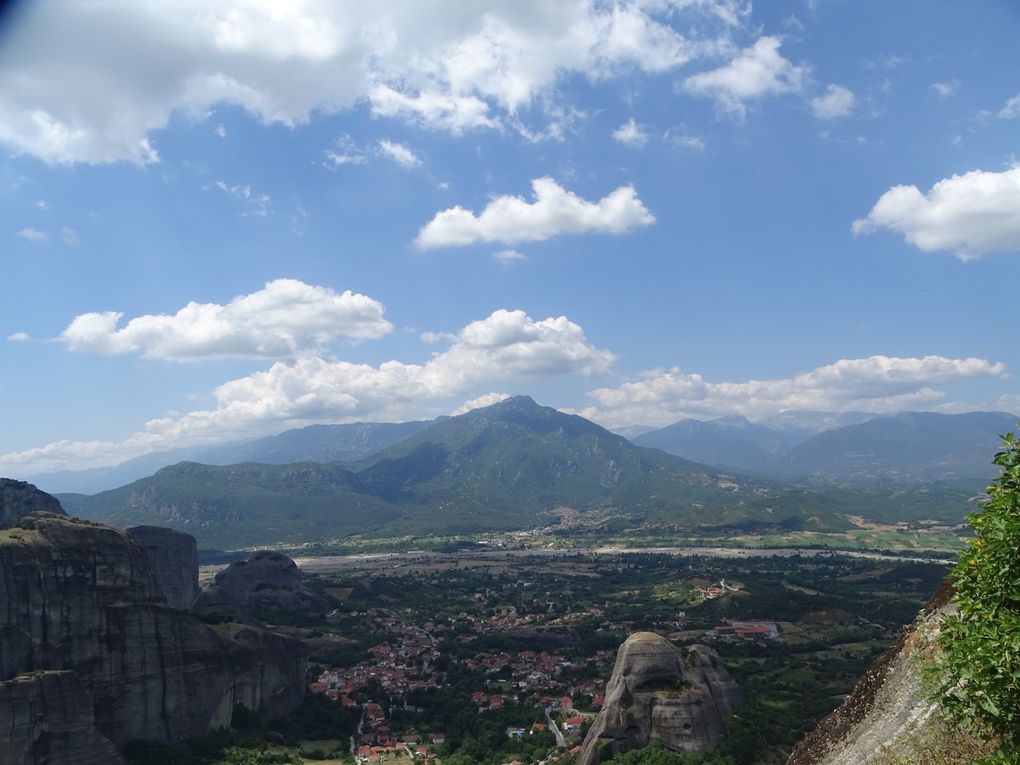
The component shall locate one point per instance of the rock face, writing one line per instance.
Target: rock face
(46, 719)
(175, 558)
(682, 696)
(84, 597)
(889, 717)
(268, 580)
(18, 499)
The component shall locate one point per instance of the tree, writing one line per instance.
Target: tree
(979, 661)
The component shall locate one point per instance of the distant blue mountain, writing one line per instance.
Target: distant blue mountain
(315, 443)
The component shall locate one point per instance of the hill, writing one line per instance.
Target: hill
(315, 443)
(507, 466)
(905, 448)
(732, 441)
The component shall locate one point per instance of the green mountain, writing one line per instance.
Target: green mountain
(507, 466)
(731, 441)
(905, 448)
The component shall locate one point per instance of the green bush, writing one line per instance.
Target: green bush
(979, 661)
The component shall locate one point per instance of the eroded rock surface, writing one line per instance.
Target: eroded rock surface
(18, 499)
(681, 695)
(175, 558)
(85, 597)
(269, 580)
(46, 719)
(889, 714)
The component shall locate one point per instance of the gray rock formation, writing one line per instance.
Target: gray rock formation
(681, 695)
(18, 499)
(269, 580)
(46, 719)
(84, 597)
(175, 558)
(889, 716)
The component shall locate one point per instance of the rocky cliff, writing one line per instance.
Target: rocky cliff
(175, 559)
(46, 719)
(86, 598)
(681, 695)
(18, 498)
(889, 719)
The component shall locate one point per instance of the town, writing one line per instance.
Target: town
(439, 654)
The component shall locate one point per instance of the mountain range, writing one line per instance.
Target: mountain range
(507, 466)
(315, 443)
(905, 448)
(517, 465)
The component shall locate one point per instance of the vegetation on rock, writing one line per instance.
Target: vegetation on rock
(980, 659)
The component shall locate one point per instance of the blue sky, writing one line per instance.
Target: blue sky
(221, 220)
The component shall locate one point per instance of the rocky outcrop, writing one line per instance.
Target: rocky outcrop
(175, 558)
(269, 580)
(46, 719)
(889, 717)
(84, 597)
(18, 499)
(681, 695)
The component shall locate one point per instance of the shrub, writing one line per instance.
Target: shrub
(979, 661)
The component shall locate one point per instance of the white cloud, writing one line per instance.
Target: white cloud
(41, 204)
(258, 204)
(32, 235)
(507, 256)
(874, 384)
(1011, 108)
(945, 89)
(434, 110)
(221, 131)
(838, 101)
(345, 151)
(555, 211)
(505, 346)
(399, 153)
(685, 141)
(79, 85)
(631, 133)
(970, 214)
(286, 318)
(481, 401)
(19, 337)
(69, 236)
(755, 72)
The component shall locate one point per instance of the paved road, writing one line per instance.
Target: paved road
(554, 728)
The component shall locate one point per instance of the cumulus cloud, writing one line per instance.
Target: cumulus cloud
(838, 101)
(631, 133)
(1011, 108)
(286, 318)
(945, 89)
(874, 384)
(481, 401)
(555, 211)
(505, 346)
(19, 337)
(755, 72)
(79, 85)
(399, 153)
(969, 215)
(32, 235)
